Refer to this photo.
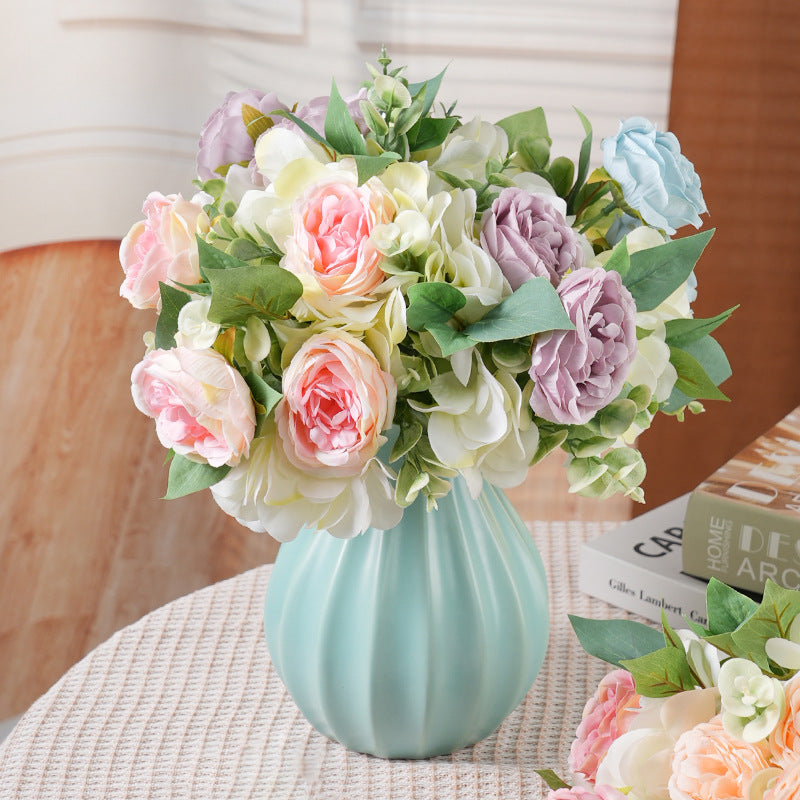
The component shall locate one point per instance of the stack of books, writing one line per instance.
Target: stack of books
(741, 526)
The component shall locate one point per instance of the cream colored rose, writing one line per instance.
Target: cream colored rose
(467, 149)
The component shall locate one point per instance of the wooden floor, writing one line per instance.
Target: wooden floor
(86, 545)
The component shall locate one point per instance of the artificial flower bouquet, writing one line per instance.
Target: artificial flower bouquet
(369, 296)
(696, 714)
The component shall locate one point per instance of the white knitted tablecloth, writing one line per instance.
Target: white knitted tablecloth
(185, 704)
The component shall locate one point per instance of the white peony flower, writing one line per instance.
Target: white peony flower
(195, 331)
(467, 149)
(267, 493)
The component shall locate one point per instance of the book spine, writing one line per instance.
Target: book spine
(642, 591)
(740, 543)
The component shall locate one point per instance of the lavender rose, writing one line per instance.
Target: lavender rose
(656, 178)
(578, 372)
(528, 236)
(224, 138)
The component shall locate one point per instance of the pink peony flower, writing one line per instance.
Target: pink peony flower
(202, 406)
(606, 716)
(783, 785)
(336, 401)
(709, 764)
(784, 741)
(224, 138)
(161, 248)
(331, 240)
(528, 236)
(599, 792)
(578, 372)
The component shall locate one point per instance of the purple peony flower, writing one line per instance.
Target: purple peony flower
(578, 372)
(528, 236)
(224, 138)
(314, 111)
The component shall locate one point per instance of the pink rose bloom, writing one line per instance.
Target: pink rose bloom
(336, 401)
(786, 785)
(709, 764)
(599, 792)
(224, 138)
(784, 741)
(578, 372)
(606, 716)
(202, 406)
(331, 239)
(161, 248)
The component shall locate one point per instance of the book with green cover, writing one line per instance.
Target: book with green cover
(742, 524)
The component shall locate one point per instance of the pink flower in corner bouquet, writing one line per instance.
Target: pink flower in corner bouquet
(393, 296)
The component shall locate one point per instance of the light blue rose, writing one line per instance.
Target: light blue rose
(656, 179)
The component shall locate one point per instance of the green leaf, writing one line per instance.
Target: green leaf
(264, 290)
(431, 132)
(410, 433)
(727, 608)
(681, 332)
(255, 121)
(525, 123)
(431, 90)
(434, 302)
(616, 640)
(245, 250)
(583, 160)
(551, 779)
(562, 171)
(657, 272)
(533, 308)
(453, 180)
(711, 357)
(449, 340)
(661, 673)
(340, 129)
(619, 260)
(186, 477)
(212, 258)
(548, 441)
(368, 166)
(304, 126)
(263, 393)
(693, 380)
(172, 301)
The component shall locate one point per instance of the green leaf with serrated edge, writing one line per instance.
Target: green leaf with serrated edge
(434, 302)
(449, 340)
(172, 301)
(533, 308)
(681, 332)
(711, 357)
(431, 90)
(262, 392)
(531, 123)
(410, 433)
(655, 273)
(212, 258)
(727, 608)
(431, 132)
(187, 477)
(340, 129)
(616, 640)
(367, 166)
(619, 260)
(693, 380)
(263, 290)
(661, 673)
(551, 779)
(583, 160)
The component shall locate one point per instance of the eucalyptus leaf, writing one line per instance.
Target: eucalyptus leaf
(548, 441)
(172, 301)
(616, 640)
(681, 332)
(434, 302)
(449, 340)
(187, 477)
(533, 308)
(655, 273)
(410, 434)
(263, 290)
(340, 129)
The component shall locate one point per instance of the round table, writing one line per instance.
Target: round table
(185, 703)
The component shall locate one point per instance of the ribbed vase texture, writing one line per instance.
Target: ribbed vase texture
(415, 641)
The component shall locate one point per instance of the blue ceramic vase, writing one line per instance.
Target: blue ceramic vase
(414, 641)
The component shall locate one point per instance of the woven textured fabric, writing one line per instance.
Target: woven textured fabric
(185, 704)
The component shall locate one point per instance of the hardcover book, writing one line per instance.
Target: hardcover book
(637, 567)
(743, 524)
